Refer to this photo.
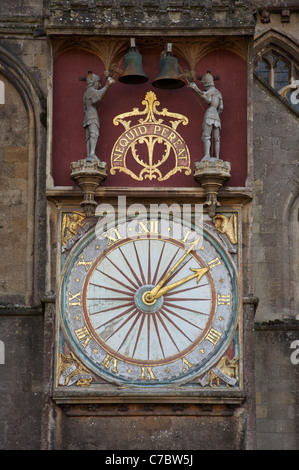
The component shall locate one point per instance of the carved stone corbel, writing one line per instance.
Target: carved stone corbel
(211, 175)
(89, 175)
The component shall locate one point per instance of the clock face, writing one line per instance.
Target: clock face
(148, 308)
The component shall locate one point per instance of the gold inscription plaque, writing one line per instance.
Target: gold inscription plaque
(150, 149)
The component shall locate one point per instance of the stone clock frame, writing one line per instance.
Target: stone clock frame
(75, 378)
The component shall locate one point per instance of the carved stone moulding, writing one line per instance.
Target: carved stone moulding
(211, 175)
(146, 15)
(89, 175)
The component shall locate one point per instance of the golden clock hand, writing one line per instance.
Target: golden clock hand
(197, 273)
(149, 297)
(164, 279)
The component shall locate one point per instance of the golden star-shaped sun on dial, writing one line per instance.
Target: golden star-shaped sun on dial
(146, 301)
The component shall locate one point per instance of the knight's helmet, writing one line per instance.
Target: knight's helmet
(208, 79)
(92, 78)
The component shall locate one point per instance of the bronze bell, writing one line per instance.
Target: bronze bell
(133, 73)
(168, 77)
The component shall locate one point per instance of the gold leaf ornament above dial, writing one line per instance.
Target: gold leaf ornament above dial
(148, 143)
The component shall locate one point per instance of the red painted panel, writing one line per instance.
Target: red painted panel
(69, 134)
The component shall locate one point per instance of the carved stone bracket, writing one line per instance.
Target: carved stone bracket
(89, 175)
(211, 174)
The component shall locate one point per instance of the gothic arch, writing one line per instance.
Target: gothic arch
(291, 244)
(35, 106)
(23, 81)
(276, 62)
(273, 38)
(109, 51)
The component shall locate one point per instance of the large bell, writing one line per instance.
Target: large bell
(133, 73)
(168, 77)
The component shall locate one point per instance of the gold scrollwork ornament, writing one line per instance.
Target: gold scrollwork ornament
(228, 226)
(142, 143)
(70, 225)
(72, 371)
(226, 371)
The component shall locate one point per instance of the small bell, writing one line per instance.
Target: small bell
(133, 73)
(168, 77)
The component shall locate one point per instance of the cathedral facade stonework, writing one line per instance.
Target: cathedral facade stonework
(148, 146)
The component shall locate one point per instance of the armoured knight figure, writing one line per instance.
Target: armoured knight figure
(92, 97)
(211, 122)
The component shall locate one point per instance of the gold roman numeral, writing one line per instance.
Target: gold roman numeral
(213, 336)
(186, 364)
(147, 374)
(186, 236)
(110, 361)
(214, 262)
(86, 264)
(149, 226)
(223, 299)
(83, 335)
(74, 299)
(113, 236)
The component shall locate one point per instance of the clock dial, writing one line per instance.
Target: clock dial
(140, 330)
(148, 309)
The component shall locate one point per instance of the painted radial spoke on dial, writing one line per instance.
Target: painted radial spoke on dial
(158, 265)
(167, 331)
(138, 336)
(185, 290)
(139, 264)
(148, 335)
(188, 300)
(180, 317)
(124, 323)
(158, 334)
(117, 280)
(107, 288)
(114, 299)
(115, 307)
(179, 307)
(138, 333)
(132, 271)
(132, 307)
(169, 264)
(149, 275)
(173, 323)
(119, 271)
(179, 268)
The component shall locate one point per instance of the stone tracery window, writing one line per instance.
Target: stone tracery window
(282, 74)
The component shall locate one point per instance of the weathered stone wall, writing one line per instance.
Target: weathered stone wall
(277, 385)
(21, 379)
(13, 194)
(275, 244)
(276, 186)
(23, 73)
(174, 431)
(275, 269)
